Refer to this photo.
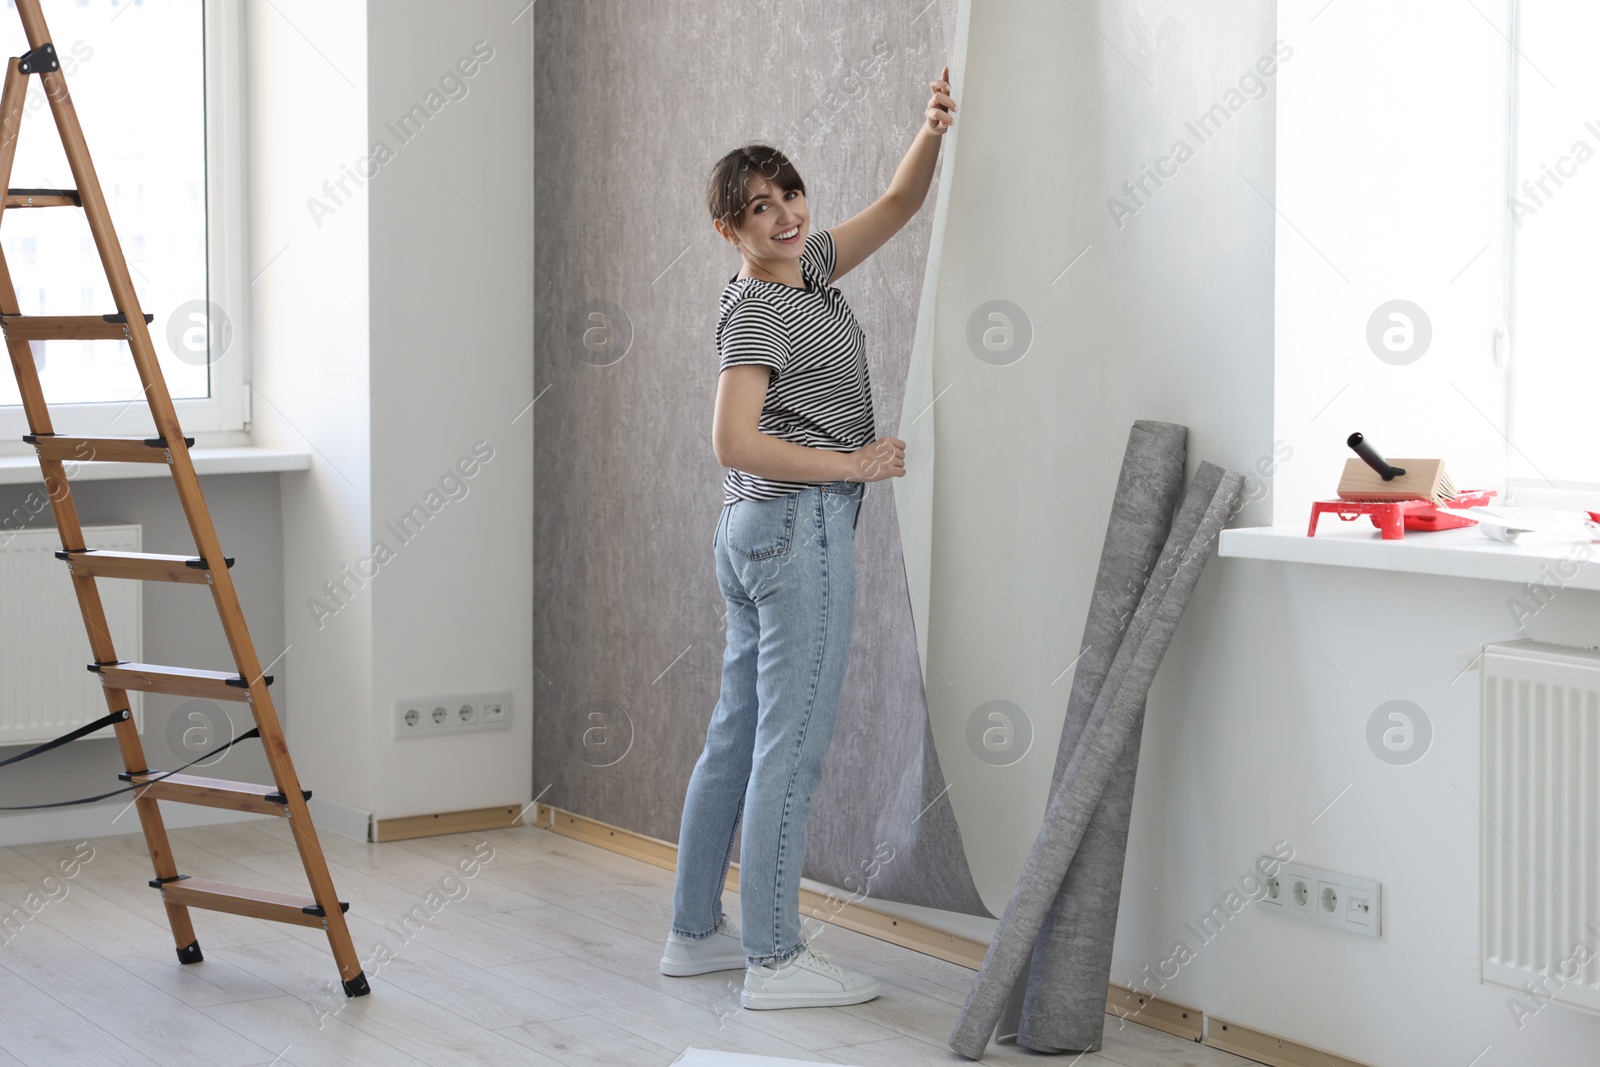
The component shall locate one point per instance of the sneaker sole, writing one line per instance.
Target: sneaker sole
(685, 968)
(761, 1002)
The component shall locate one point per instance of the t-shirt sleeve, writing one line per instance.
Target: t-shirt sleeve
(754, 333)
(819, 252)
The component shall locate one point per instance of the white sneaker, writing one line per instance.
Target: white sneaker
(809, 980)
(722, 951)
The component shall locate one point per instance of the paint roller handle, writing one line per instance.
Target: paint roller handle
(1364, 449)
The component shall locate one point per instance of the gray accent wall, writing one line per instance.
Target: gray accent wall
(634, 103)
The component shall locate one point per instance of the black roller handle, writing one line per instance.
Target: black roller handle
(1370, 455)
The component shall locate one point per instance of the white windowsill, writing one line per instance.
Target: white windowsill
(23, 470)
(1460, 553)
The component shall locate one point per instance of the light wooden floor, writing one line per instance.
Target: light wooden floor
(547, 957)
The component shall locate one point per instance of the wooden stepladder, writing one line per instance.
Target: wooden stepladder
(249, 684)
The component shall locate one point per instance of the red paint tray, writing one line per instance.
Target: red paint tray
(1394, 517)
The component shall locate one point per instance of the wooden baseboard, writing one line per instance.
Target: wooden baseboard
(1164, 1015)
(1177, 1019)
(1269, 1049)
(449, 822)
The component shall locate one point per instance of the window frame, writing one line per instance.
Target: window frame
(1527, 489)
(223, 418)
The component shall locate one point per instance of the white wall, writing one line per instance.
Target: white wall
(1256, 730)
(1155, 316)
(307, 101)
(392, 332)
(451, 219)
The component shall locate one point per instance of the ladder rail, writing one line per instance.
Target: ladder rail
(12, 97)
(162, 858)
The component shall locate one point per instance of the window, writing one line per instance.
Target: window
(157, 87)
(1464, 184)
(1554, 203)
(1388, 205)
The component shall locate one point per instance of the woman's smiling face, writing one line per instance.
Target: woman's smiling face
(774, 224)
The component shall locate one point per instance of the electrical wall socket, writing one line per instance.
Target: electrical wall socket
(1341, 901)
(1301, 890)
(458, 713)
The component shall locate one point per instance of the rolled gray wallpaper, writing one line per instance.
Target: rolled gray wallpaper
(1071, 961)
(1206, 508)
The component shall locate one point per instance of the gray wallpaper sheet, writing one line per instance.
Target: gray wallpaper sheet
(628, 632)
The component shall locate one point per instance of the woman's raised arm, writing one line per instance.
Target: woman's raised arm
(857, 238)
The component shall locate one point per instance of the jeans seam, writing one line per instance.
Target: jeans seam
(727, 855)
(794, 771)
(718, 921)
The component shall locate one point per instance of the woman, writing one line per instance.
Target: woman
(793, 422)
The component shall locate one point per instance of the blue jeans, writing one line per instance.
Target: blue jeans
(787, 568)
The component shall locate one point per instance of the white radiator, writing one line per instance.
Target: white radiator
(46, 688)
(1540, 841)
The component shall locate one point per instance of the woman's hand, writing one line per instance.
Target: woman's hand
(884, 458)
(942, 107)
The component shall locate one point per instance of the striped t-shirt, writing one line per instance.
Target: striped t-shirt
(818, 395)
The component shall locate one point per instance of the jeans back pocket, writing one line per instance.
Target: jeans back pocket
(761, 529)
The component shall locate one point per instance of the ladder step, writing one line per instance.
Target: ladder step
(112, 327)
(101, 449)
(43, 198)
(174, 681)
(214, 792)
(139, 566)
(242, 900)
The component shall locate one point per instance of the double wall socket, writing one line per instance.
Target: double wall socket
(1341, 901)
(436, 716)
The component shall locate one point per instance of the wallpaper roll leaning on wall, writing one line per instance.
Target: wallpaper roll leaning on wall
(1119, 708)
(1064, 1006)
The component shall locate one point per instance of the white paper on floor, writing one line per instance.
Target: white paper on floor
(699, 1057)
